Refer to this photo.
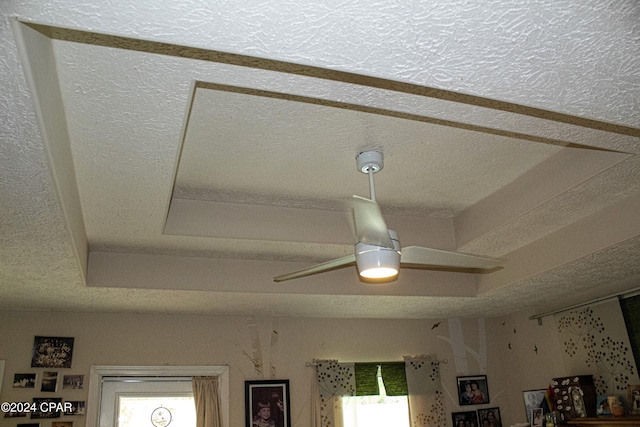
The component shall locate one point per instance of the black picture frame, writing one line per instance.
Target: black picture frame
(464, 419)
(492, 415)
(52, 352)
(473, 390)
(267, 394)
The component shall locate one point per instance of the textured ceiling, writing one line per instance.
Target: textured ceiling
(174, 157)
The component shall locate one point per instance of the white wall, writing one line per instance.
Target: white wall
(136, 339)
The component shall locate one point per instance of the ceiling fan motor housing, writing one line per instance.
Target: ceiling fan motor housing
(375, 262)
(369, 160)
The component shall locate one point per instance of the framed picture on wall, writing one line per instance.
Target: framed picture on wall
(634, 399)
(267, 403)
(464, 419)
(52, 352)
(489, 417)
(473, 390)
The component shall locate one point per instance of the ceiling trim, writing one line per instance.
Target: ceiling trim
(135, 44)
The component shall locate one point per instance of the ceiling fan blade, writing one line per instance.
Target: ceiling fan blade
(370, 226)
(319, 268)
(434, 259)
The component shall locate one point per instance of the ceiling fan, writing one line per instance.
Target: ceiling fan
(378, 254)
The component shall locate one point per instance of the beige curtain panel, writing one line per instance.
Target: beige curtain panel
(207, 400)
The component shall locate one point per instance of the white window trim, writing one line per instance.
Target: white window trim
(97, 372)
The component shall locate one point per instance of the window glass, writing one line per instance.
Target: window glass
(376, 411)
(159, 411)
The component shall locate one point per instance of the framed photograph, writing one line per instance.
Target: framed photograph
(537, 417)
(634, 399)
(52, 352)
(464, 419)
(73, 381)
(49, 381)
(75, 407)
(46, 403)
(473, 390)
(533, 399)
(602, 405)
(62, 424)
(489, 417)
(267, 403)
(24, 381)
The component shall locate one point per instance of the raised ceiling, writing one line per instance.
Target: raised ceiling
(174, 158)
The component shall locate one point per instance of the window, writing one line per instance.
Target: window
(378, 410)
(134, 401)
(120, 389)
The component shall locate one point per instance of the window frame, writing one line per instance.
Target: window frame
(98, 372)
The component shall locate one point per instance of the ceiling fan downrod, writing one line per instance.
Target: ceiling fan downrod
(370, 162)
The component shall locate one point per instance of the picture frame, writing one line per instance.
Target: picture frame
(24, 380)
(473, 390)
(75, 407)
(537, 417)
(464, 419)
(49, 382)
(75, 382)
(602, 405)
(267, 403)
(634, 399)
(52, 352)
(533, 399)
(491, 415)
(44, 403)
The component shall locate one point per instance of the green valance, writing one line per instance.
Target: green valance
(394, 377)
(366, 379)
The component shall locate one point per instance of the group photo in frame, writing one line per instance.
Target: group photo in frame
(52, 352)
(267, 403)
(489, 417)
(473, 390)
(464, 419)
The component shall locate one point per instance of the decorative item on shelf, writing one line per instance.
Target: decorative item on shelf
(575, 396)
(615, 405)
(634, 399)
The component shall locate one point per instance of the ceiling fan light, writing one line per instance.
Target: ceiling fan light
(375, 262)
(379, 273)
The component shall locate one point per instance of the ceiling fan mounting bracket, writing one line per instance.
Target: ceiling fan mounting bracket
(369, 161)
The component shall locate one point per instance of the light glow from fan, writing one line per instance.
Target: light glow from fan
(379, 273)
(377, 262)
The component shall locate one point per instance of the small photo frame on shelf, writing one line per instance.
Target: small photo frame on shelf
(634, 399)
(52, 352)
(267, 403)
(473, 390)
(489, 417)
(24, 380)
(602, 406)
(537, 417)
(464, 419)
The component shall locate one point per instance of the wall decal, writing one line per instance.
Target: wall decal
(595, 341)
